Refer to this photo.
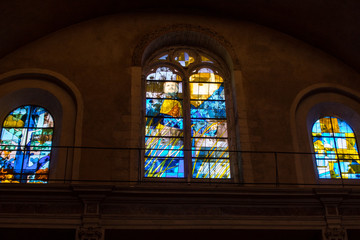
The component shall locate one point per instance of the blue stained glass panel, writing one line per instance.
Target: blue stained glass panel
(39, 137)
(164, 167)
(26, 141)
(343, 127)
(208, 109)
(40, 118)
(8, 158)
(164, 57)
(13, 136)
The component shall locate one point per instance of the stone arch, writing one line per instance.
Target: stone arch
(62, 99)
(189, 35)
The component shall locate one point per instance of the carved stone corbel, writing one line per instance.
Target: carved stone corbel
(90, 233)
(335, 234)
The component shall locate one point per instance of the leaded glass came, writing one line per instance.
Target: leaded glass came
(336, 151)
(25, 146)
(186, 120)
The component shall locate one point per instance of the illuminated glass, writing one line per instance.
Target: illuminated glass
(164, 57)
(166, 122)
(336, 151)
(205, 59)
(164, 131)
(184, 59)
(210, 158)
(25, 146)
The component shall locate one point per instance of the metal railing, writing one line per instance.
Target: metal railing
(266, 168)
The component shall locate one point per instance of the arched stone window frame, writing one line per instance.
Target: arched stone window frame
(62, 99)
(220, 68)
(311, 104)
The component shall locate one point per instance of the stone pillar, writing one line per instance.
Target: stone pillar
(91, 197)
(331, 200)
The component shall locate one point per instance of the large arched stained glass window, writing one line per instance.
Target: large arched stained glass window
(186, 123)
(26, 141)
(336, 151)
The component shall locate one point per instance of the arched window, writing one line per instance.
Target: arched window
(186, 122)
(26, 141)
(336, 151)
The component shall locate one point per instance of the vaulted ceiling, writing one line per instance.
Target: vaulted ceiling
(331, 25)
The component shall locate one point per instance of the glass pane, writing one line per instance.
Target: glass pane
(164, 167)
(18, 117)
(164, 108)
(343, 126)
(211, 168)
(165, 57)
(164, 147)
(8, 176)
(205, 59)
(40, 118)
(207, 91)
(205, 75)
(163, 74)
(40, 177)
(346, 148)
(184, 59)
(35, 160)
(13, 136)
(208, 109)
(328, 168)
(164, 127)
(155, 89)
(325, 144)
(7, 159)
(210, 148)
(208, 128)
(39, 137)
(350, 169)
(325, 125)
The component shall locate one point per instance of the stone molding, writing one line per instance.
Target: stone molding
(153, 35)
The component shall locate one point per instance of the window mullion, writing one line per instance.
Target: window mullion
(187, 129)
(336, 147)
(23, 148)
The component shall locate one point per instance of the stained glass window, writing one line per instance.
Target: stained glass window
(25, 146)
(186, 124)
(336, 150)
